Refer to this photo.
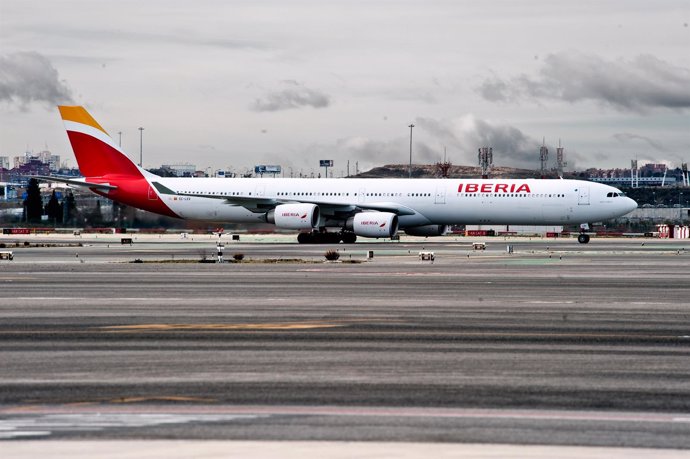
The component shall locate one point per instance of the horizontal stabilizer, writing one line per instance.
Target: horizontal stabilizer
(75, 182)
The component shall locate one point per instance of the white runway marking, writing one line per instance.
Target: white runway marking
(44, 425)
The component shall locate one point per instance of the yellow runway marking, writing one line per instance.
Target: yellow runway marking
(268, 326)
(28, 408)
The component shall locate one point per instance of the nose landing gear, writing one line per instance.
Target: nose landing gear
(583, 238)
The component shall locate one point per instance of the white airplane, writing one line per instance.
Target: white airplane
(374, 208)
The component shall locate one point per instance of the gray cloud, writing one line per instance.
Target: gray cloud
(394, 151)
(367, 153)
(30, 77)
(293, 95)
(462, 136)
(639, 85)
(626, 137)
(465, 135)
(129, 36)
(496, 90)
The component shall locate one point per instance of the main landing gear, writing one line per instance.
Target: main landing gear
(325, 237)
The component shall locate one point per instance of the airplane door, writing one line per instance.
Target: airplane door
(440, 195)
(260, 190)
(583, 198)
(360, 196)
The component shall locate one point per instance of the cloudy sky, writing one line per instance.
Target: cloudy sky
(232, 84)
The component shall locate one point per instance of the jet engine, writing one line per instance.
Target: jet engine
(373, 224)
(427, 230)
(294, 216)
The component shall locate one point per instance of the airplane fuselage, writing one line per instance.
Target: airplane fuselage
(432, 201)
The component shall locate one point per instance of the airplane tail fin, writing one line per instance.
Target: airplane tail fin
(97, 154)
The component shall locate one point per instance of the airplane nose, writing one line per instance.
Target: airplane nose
(630, 204)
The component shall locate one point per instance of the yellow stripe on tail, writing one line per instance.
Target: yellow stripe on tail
(79, 114)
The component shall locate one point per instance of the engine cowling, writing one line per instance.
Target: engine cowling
(295, 216)
(374, 224)
(427, 230)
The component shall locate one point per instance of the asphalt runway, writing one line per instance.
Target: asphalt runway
(555, 344)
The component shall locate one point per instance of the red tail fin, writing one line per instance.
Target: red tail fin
(102, 161)
(97, 154)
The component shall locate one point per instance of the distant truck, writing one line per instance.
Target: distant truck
(6, 255)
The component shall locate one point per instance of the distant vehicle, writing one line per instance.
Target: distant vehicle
(334, 210)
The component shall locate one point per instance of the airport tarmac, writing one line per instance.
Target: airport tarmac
(555, 344)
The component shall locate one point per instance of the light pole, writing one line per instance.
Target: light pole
(141, 147)
(120, 142)
(410, 169)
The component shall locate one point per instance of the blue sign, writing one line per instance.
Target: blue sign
(263, 169)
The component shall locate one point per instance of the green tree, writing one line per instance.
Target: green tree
(54, 210)
(69, 209)
(96, 217)
(33, 202)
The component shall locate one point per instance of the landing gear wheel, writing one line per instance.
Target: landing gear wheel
(304, 238)
(583, 238)
(331, 238)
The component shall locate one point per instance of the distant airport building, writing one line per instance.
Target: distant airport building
(32, 167)
(640, 181)
(4, 162)
(53, 161)
(658, 214)
(181, 170)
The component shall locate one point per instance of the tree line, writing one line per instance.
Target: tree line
(58, 213)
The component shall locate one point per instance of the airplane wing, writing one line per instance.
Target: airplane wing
(393, 207)
(261, 204)
(75, 182)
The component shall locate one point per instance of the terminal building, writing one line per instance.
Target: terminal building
(46, 157)
(639, 181)
(181, 170)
